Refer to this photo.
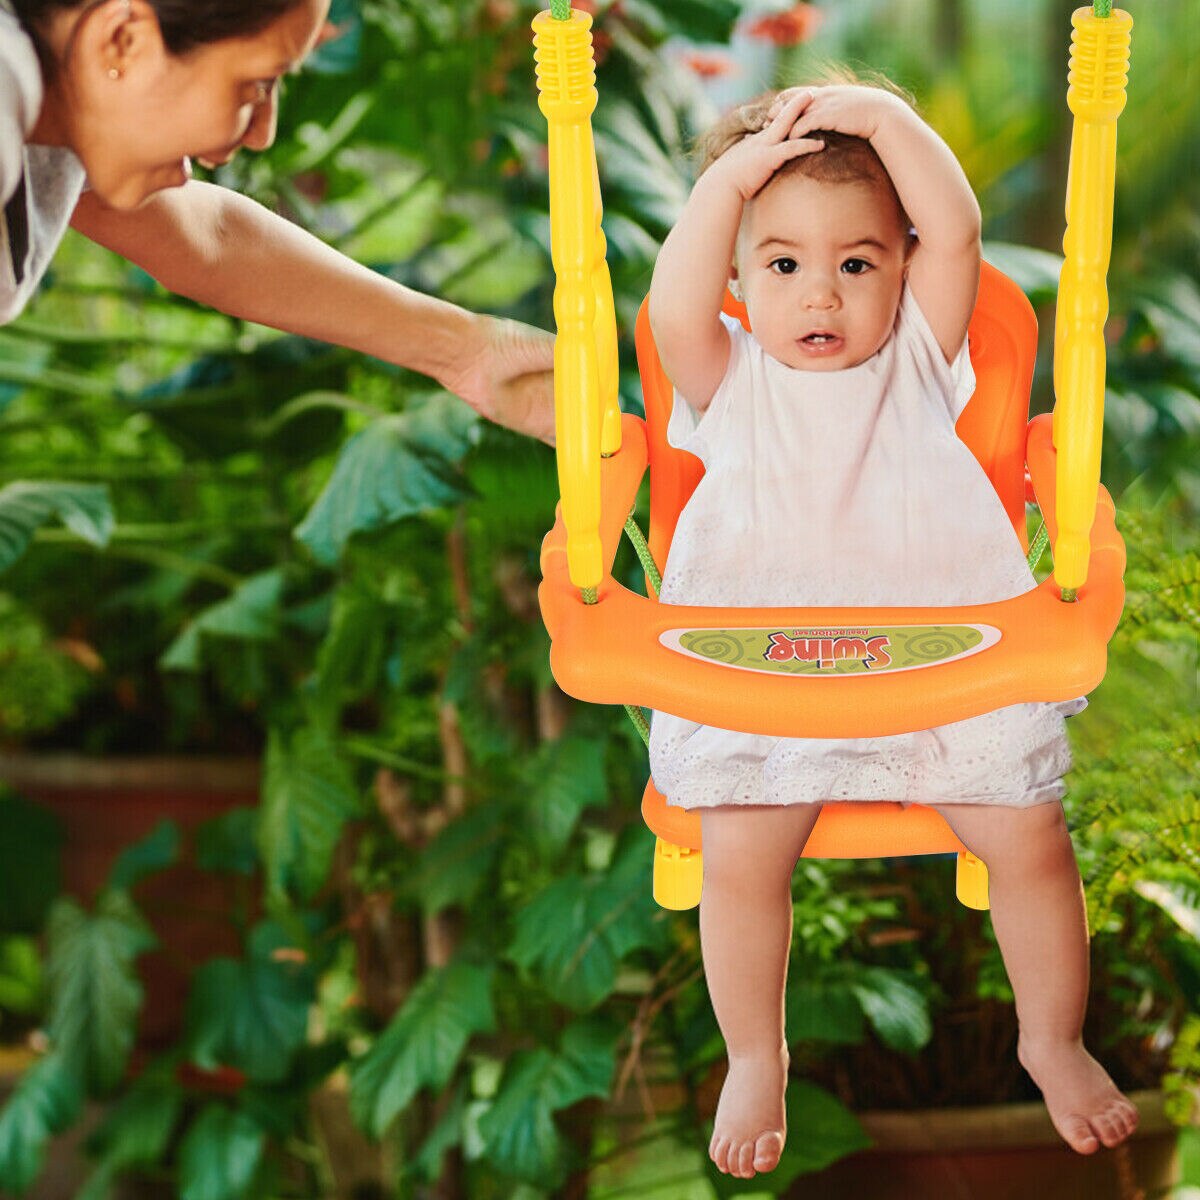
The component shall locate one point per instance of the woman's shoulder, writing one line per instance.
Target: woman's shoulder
(20, 98)
(20, 73)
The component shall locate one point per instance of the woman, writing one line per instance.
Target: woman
(121, 95)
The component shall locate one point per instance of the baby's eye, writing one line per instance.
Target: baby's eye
(856, 266)
(784, 266)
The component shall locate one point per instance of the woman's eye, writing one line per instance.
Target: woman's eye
(784, 266)
(856, 266)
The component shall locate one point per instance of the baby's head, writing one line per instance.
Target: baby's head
(822, 249)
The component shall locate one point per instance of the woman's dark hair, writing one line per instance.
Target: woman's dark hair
(185, 24)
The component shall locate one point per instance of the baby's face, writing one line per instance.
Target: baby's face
(821, 267)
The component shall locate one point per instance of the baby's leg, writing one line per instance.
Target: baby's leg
(746, 933)
(1040, 920)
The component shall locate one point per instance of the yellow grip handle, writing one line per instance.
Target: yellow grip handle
(585, 353)
(1096, 95)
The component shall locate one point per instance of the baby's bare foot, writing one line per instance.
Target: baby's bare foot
(1085, 1105)
(751, 1123)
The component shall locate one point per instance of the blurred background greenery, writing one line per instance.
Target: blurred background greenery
(279, 551)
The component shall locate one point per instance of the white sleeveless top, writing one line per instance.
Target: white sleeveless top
(39, 185)
(851, 488)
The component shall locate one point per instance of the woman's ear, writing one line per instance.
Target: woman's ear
(115, 36)
(735, 284)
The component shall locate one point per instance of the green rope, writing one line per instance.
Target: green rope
(639, 723)
(589, 595)
(1040, 542)
(643, 552)
(1102, 8)
(560, 10)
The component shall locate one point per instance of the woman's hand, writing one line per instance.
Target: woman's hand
(752, 162)
(506, 374)
(840, 108)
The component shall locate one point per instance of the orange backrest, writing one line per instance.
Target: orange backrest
(1003, 341)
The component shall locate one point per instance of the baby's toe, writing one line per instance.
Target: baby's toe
(1111, 1125)
(1079, 1135)
(767, 1151)
(745, 1161)
(718, 1151)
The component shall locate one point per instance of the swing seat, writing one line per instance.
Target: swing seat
(839, 672)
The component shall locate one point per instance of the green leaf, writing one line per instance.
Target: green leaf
(251, 614)
(46, 1101)
(1034, 271)
(228, 842)
(21, 978)
(453, 867)
(308, 795)
(350, 656)
(398, 466)
(518, 1128)
(252, 1013)
(822, 1007)
(220, 1155)
(578, 929)
(159, 849)
(422, 1045)
(897, 1009)
(137, 1129)
(563, 778)
(95, 995)
(27, 505)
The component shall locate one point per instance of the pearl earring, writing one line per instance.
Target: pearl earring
(114, 73)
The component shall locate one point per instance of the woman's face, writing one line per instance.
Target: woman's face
(136, 115)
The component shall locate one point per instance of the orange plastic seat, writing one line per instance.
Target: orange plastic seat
(838, 672)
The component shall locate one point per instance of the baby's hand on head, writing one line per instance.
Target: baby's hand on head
(843, 108)
(751, 163)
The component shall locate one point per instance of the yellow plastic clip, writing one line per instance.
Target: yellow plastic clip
(678, 875)
(971, 881)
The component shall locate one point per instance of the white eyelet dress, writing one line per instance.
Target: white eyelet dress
(849, 488)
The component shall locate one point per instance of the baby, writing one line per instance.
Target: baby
(833, 476)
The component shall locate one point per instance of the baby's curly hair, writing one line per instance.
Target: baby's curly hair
(845, 159)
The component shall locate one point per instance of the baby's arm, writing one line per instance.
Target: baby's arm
(694, 263)
(943, 271)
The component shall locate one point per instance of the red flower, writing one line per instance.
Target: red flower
(797, 24)
(708, 65)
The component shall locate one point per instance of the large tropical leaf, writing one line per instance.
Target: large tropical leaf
(518, 1128)
(95, 994)
(308, 795)
(250, 614)
(27, 505)
(398, 466)
(896, 1008)
(454, 866)
(578, 929)
(562, 779)
(422, 1045)
(220, 1155)
(46, 1101)
(251, 1013)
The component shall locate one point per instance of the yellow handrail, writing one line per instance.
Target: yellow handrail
(1096, 96)
(587, 416)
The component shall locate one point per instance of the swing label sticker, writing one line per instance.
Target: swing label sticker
(833, 652)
